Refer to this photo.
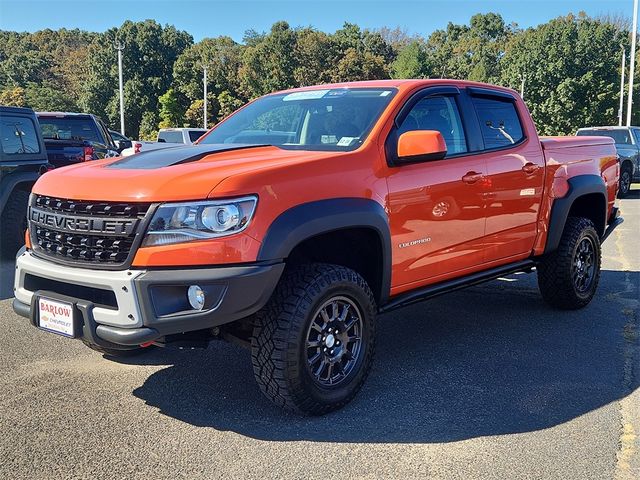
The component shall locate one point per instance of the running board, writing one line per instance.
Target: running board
(437, 289)
(612, 226)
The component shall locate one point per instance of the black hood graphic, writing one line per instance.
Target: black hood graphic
(166, 157)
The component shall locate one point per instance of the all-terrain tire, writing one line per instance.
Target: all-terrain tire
(14, 223)
(280, 344)
(625, 181)
(561, 274)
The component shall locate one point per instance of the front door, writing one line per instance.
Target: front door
(436, 208)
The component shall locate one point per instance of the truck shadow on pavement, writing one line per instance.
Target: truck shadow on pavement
(491, 360)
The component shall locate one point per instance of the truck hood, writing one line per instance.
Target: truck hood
(171, 174)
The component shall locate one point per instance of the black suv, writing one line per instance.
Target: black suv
(22, 159)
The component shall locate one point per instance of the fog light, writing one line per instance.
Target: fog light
(196, 297)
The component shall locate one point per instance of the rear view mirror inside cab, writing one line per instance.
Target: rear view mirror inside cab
(421, 145)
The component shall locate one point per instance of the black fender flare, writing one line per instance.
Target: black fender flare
(579, 186)
(11, 181)
(308, 220)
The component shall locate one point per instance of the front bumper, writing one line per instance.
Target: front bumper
(120, 309)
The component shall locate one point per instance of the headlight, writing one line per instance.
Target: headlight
(183, 222)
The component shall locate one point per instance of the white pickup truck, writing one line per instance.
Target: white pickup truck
(167, 137)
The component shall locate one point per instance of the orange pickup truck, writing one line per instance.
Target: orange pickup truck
(303, 215)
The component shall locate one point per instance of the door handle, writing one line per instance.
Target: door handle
(471, 177)
(530, 168)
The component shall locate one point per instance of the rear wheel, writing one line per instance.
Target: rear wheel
(312, 345)
(568, 278)
(625, 181)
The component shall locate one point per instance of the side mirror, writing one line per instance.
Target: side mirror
(421, 145)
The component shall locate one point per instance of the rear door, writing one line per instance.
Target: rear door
(515, 174)
(436, 209)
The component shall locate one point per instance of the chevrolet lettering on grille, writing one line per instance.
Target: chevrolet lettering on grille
(91, 225)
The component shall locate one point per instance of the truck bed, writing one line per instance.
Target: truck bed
(557, 143)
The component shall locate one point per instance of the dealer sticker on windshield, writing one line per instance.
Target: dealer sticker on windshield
(308, 95)
(56, 317)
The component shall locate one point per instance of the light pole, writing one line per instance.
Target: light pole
(118, 45)
(632, 63)
(204, 81)
(621, 108)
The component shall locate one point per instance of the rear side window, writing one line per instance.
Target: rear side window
(170, 136)
(499, 122)
(18, 135)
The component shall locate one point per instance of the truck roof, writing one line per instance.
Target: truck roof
(16, 110)
(402, 83)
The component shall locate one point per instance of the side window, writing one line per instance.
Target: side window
(499, 122)
(18, 135)
(637, 135)
(438, 113)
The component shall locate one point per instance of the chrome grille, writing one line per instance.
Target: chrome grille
(96, 233)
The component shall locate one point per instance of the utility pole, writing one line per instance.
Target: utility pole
(204, 81)
(118, 45)
(621, 108)
(632, 64)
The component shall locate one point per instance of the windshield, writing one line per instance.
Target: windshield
(69, 128)
(619, 136)
(330, 119)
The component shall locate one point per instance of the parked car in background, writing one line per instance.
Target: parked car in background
(22, 160)
(75, 137)
(167, 137)
(627, 140)
(120, 140)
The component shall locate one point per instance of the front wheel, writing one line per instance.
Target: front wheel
(312, 345)
(568, 278)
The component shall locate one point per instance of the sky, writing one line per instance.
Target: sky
(211, 18)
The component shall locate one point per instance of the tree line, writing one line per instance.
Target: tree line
(569, 67)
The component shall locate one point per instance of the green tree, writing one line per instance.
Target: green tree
(412, 62)
(269, 62)
(13, 97)
(149, 126)
(315, 54)
(148, 58)
(171, 112)
(222, 57)
(571, 73)
(471, 52)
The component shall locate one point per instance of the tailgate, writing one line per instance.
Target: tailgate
(64, 151)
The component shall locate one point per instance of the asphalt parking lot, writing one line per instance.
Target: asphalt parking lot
(484, 383)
